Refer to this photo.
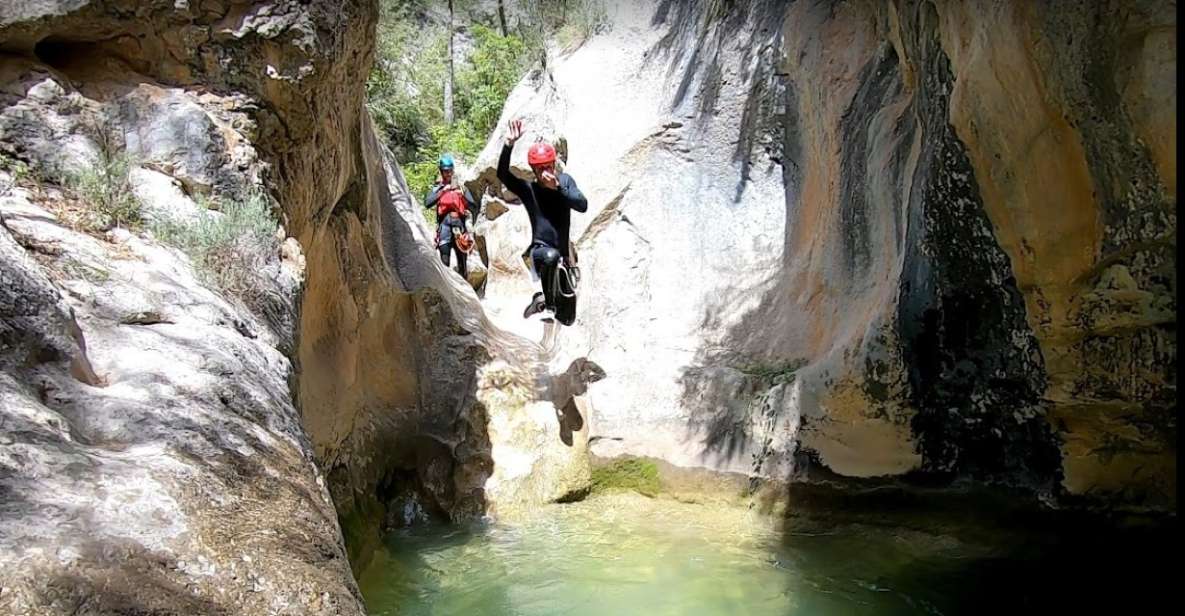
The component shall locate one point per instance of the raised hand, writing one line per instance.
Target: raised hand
(515, 131)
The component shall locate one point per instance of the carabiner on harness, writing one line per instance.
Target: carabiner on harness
(566, 280)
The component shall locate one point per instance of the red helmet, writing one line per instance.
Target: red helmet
(540, 154)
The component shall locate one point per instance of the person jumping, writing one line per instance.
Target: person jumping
(549, 201)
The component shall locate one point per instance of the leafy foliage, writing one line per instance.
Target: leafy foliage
(105, 187)
(17, 170)
(496, 65)
(406, 88)
(571, 22)
(586, 18)
(406, 76)
(229, 244)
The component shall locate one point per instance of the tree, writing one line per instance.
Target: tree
(448, 78)
(502, 17)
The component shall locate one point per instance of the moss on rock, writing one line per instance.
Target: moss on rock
(627, 473)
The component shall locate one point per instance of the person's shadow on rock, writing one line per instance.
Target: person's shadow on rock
(570, 421)
(565, 387)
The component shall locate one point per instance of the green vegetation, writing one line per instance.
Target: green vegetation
(18, 171)
(229, 247)
(406, 83)
(496, 65)
(405, 90)
(627, 473)
(96, 198)
(574, 21)
(406, 86)
(229, 243)
(106, 188)
(779, 372)
(571, 19)
(83, 271)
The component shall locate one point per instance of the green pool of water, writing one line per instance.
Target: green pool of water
(628, 554)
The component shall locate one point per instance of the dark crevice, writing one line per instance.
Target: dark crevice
(58, 53)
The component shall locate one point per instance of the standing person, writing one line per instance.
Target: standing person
(453, 203)
(549, 201)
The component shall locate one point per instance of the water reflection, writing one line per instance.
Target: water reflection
(627, 554)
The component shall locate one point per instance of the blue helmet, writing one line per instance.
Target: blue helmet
(446, 161)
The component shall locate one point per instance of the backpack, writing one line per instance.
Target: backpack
(452, 201)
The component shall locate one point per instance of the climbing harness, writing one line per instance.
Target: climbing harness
(565, 284)
(567, 274)
(571, 272)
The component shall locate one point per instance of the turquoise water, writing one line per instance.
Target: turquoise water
(627, 554)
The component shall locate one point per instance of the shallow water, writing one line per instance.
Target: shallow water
(627, 554)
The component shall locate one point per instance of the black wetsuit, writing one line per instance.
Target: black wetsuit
(550, 212)
(450, 227)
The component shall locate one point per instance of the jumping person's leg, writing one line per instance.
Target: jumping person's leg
(546, 260)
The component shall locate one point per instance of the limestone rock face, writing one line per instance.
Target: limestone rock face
(920, 240)
(39, 325)
(154, 457)
(1025, 189)
(151, 458)
(672, 133)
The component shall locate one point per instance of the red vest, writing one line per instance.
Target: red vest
(453, 200)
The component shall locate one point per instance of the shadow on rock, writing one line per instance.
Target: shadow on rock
(570, 421)
(573, 382)
(563, 389)
(125, 579)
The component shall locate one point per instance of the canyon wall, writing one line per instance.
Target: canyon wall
(930, 241)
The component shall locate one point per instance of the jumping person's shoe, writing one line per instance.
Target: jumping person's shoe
(536, 306)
